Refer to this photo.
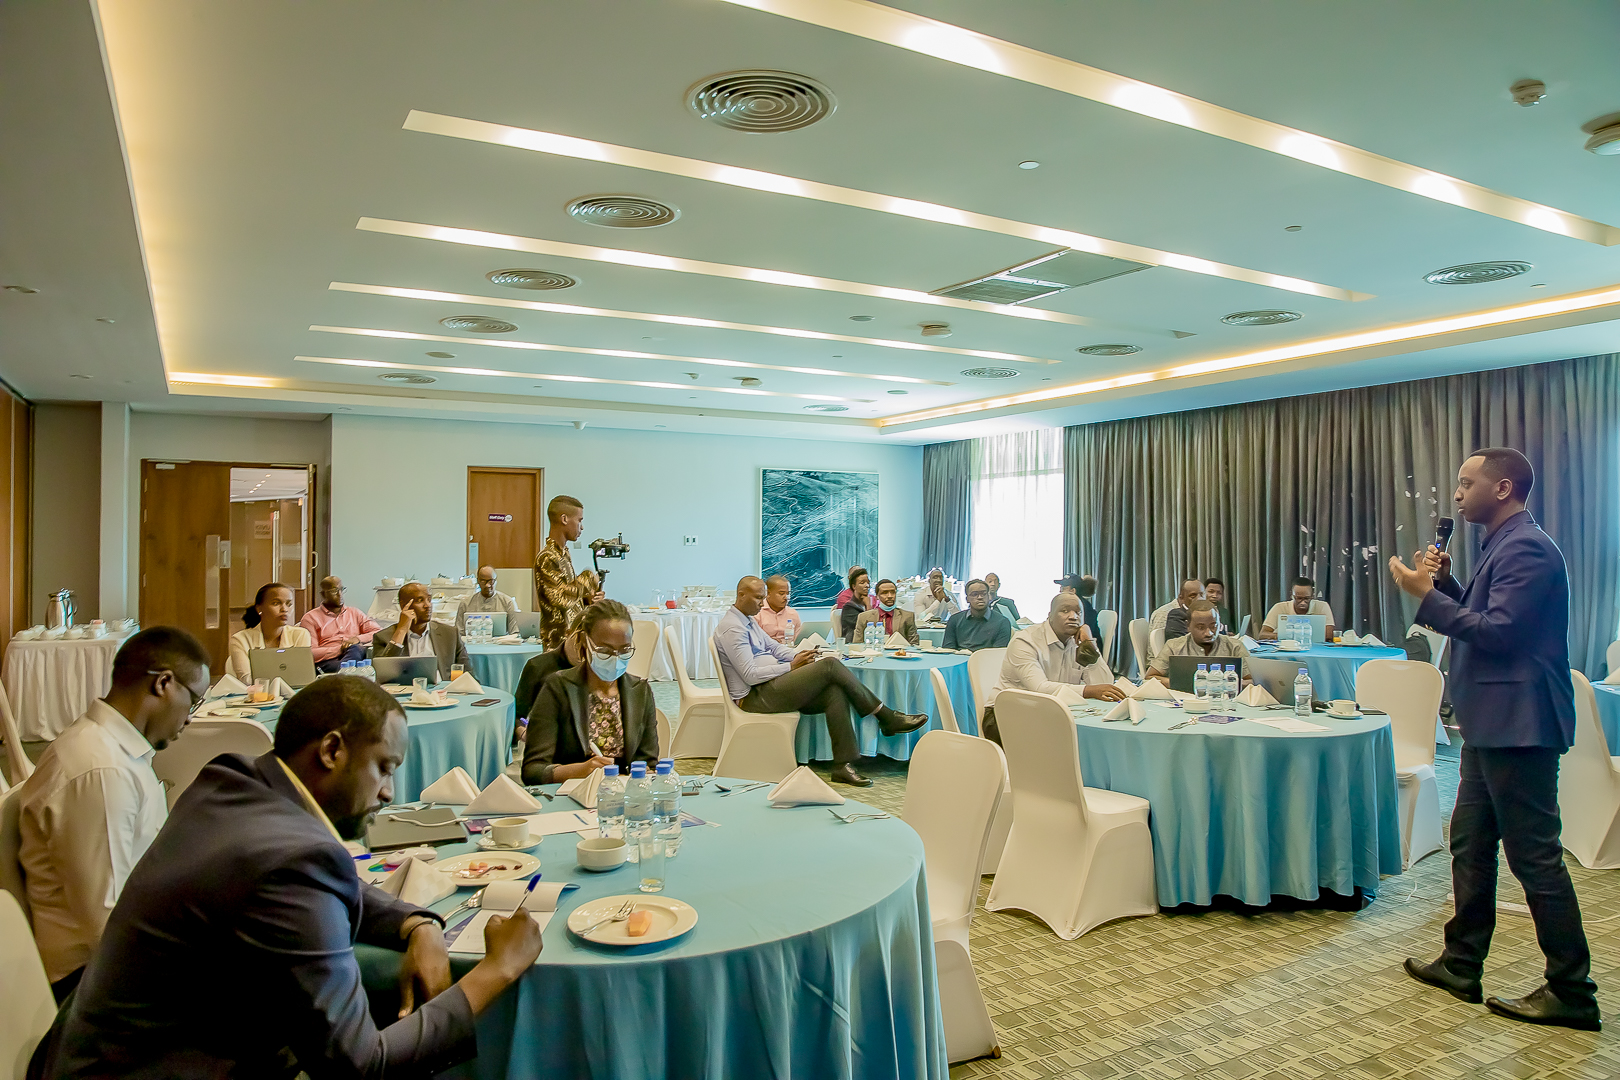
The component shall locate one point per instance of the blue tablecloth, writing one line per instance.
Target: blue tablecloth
(1608, 707)
(1248, 811)
(1333, 667)
(813, 956)
(904, 686)
(498, 667)
(477, 739)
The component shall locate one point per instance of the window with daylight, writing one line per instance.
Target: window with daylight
(1018, 516)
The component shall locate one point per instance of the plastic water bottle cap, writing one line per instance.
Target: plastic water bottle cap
(610, 770)
(638, 770)
(663, 768)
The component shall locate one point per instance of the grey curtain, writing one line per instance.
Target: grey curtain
(947, 525)
(1331, 485)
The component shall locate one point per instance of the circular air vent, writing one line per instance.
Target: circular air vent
(1476, 273)
(1109, 350)
(761, 101)
(862, 318)
(531, 279)
(1260, 318)
(827, 408)
(990, 373)
(409, 378)
(621, 212)
(477, 324)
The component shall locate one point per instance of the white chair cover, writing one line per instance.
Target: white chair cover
(644, 639)
(757, 746)
(984, 669)
(1589, 787)
(1410, 692)
(178, 764)
(1612, 655)
(1108, 623)
(12, 879)
(26, 1005)
(942, 701)
(1156, 640)
(663, 735)
(701, 723)
(1139, 646)
(17, 764)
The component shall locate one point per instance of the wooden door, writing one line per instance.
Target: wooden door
(185, 514)
(503, 515)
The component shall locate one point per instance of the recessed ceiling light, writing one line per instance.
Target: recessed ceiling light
(109, 322)
(407, 377)
(1539, 285)
(83, 376)
(1477, 273)
(862, 318)
(622, 212)
(477, 324)
(761, 102)
(1260, 318)
(827, 408)
(1109, 350)
(208, 378)
(899, 391)
(1293, 228)
(442, 355)
(531, 279)
(1029, 164)
(990, 373)
(1605, 140)
(24, 289)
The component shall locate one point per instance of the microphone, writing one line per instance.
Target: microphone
(1442, 532)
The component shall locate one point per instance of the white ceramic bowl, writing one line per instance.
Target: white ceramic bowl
(600, 853)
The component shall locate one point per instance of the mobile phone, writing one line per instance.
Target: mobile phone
(486, 701)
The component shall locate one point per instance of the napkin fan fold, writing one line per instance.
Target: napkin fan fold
(802, 787)
(503, 796)
(417, 882)
(582, 789)
(454, 787)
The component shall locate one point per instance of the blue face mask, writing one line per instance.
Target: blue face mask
(885, 607)
(610, 670)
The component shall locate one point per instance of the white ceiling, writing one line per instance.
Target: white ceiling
(258, 135)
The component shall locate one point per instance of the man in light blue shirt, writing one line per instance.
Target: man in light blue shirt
(765, 676)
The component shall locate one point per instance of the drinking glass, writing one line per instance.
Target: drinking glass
(419, 684)
(455, 671)
(652, 863)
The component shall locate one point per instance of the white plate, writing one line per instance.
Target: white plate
(487, 843)
(414, 705)
(1342, 715)
(518, 865)
(670, 919)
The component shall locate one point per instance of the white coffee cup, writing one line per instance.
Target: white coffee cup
(510, 832)
(1342, 706)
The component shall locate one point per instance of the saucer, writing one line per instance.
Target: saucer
(1342, 715)
(487, 843)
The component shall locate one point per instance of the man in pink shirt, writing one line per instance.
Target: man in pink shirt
(339, 632)
(775, 617)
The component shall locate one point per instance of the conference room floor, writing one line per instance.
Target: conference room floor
(1272, 994)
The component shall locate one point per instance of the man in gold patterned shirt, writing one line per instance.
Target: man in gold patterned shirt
(563, 594)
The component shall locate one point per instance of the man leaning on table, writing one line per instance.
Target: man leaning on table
(487, 600)
(765, 676)
(978, 627)
(231, 951)
(1301, 601)
(1511, 690)
(1055, 656)
(94, 805)
(337, 632)
(776, 617)
(416, 634)
(889, 618)
(935, 602)
(562, 593)
(1203, 639)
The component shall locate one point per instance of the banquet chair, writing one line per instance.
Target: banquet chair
(1108, 623)
(18, 766)
(27, 1007)
(1001, 824)
(1156, 639)
(984, 668)
(942, 701)
(1437, 648)
(757, 746)
(644, 639)
(12, 878)
(178, 764)
(1242, 626)
(1409, 691)
(700, 725)
(663, 734)
(1612, 655)
(1138, 629)
(1077, 857)
(1589, 787)
(952, 792)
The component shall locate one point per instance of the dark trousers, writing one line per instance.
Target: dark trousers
(826, 686)
(353, 652)
(64, 986)
(1510, 796)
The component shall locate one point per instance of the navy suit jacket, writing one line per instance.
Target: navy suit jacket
(231, 952)
(1509, 631)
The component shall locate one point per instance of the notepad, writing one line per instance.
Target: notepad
(502, 898)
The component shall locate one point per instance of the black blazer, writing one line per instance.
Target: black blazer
(559, 725)
(535, 672)
(232, 947)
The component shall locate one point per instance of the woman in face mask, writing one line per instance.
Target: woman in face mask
(593, 714)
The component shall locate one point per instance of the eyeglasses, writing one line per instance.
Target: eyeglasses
(196, 698)
(609, 654)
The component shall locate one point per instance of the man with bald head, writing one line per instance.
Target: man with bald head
(416, 634)
(1056, 657)
(337, 632)
(487, 601)
(765, 676)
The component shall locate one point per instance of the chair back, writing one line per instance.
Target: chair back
(518, 583)
(677, 660)
(984, 668)
(1242, 626)
(663, 734)
(12, 878)
(1410, 692)
(178, 764)
(17, 763)
(27, 1007)
(1108, 623)
(644, 639)
(952, 787)
(725, 691)
(1437, 642)
(1591, 744)
(942, 702)
(1156, 640)
(1043, 751)
(1138, 629)
(1613, 657)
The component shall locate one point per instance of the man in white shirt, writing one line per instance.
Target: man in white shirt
(1191, 589)
(1057, 657)
(487, 601)
(1301, 601)
(94, 805)
(936, 602)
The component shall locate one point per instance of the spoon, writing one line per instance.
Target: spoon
(850, 819)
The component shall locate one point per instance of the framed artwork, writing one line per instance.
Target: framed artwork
(815, 525)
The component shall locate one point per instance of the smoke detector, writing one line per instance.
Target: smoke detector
(936, 329)
(1528, 92)
(747, 380)
(622, 212)
(827, 408)
(761, 102)
(1479, 273)
(990, 373)
(1260, 318)
(531, 279)
(407, 378)
(477, 324)
(1109, 350)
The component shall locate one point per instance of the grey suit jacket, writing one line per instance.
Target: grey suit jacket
(905, 623)
(559, 725)
(447, 646)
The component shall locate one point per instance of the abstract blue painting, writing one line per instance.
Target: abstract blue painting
(813, 526)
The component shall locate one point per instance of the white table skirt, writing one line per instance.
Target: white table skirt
(52, 683)
(694, 628)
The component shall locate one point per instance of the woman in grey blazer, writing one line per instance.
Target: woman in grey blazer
(594, 714)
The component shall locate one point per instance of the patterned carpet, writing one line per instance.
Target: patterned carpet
(1280, 995)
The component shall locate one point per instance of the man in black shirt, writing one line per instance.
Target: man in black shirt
(978, 627)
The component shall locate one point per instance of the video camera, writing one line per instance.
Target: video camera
(615, 548)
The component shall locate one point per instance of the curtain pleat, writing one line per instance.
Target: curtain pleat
(947, 524)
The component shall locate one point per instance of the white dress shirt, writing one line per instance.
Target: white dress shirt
(1036, 661)
(243, 642)
(479, 604)
(89, 812)
(748, 654)
(419, 644)
(926, 606)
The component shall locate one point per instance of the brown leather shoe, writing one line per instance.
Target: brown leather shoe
(846, 774)
(1542, 1006)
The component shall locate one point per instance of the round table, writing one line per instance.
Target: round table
(51, 683)
(1333, 667)
(498, 667)
(478, 738)
(1608, 709)
(1249, 811)
(694, 628)
(904, 686)
(813, 956)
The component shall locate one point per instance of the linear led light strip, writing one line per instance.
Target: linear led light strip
(969, 48)
(626, 354)
(676, 320)
(496, 373)
(546, 142)
(203, 378)
(1386, 335)
(508, 242)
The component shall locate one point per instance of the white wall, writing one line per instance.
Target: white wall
(66, 517)
(399, 497)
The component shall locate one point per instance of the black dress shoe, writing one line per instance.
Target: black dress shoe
(846, 774)
(1542, 1006)
(1437, 974)
(899, 723)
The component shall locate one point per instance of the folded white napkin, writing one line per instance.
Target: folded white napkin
(228, 684)
(454, 787)
(1249, 643)
(507, 639)
(814, 641)
(1350, 637)
(416, 882)
(582, 789)
(280, 688)
(503, 796)
(1612, 678)
(465, 684)
(802, 787)
(1255, 694)
(1150, 690)
(896, 642)
(1130, 707)
(1372, 639)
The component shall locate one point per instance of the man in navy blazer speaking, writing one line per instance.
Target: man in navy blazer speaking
(1510, 687)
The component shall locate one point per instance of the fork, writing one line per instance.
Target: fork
(620, 915)
(850, 819)
(472, 903)
(739, 791)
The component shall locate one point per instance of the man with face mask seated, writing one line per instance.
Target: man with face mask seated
(889, 618)
(231, 949)
(1056, 656)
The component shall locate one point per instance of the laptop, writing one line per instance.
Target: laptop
(1277, 676)
(295, 666)
(402, 669)
(528, 623)
(1318, 625)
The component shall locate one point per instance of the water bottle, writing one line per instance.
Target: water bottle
(637, 810)
(610, 804)
(1302, 693)
(1201, 681)
(666, 793)
(1233, 683)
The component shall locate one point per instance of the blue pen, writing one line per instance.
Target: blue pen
(532, 883)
